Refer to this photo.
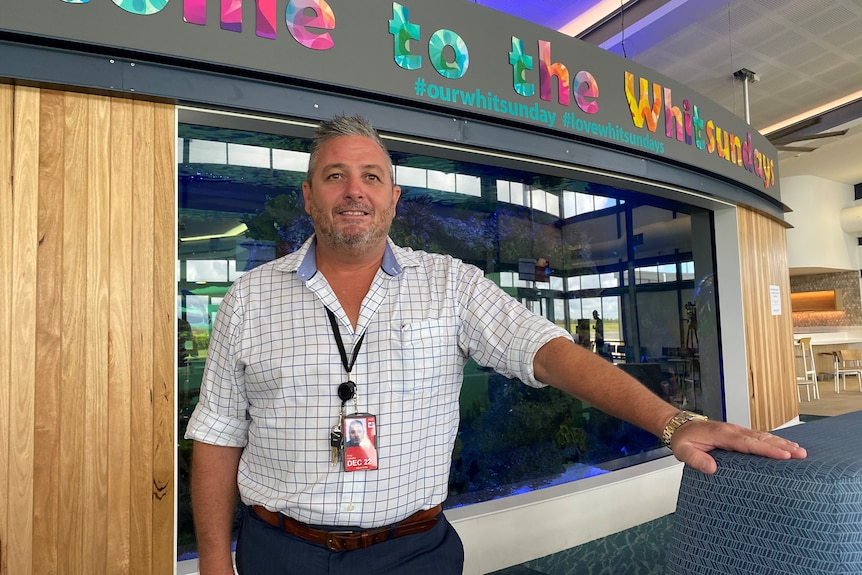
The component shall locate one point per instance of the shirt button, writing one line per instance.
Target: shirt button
(350, 507)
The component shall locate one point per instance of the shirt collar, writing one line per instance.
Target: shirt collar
(308, 263)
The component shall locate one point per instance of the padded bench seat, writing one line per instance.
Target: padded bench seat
(763, 516)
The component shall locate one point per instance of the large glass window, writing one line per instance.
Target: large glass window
(627, 274)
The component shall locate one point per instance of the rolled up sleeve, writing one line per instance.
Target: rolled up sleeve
(220, 417)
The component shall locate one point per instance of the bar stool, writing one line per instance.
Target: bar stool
(849, 362)
(808, 378)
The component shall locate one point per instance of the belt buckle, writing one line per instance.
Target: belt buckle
(330, 539)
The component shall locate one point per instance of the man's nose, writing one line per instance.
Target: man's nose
(354, 187)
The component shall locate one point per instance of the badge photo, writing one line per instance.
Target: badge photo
(360, 444)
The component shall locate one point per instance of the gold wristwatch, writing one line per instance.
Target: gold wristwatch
(676, 422)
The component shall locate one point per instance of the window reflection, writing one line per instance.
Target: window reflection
(687, 270)
(205, 152)
(611, 266)
(206, 271)
(407, 176)
(289, 160)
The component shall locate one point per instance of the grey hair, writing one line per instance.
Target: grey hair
(339, 126)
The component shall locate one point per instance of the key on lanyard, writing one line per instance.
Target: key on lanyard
(336, 442)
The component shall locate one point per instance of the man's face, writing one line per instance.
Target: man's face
(356, 432)
(350, 197)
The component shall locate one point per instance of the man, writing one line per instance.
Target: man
(356, 433)
(600, 333)
(396, 327)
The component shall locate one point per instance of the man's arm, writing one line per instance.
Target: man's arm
(589, 377)
(214, 498)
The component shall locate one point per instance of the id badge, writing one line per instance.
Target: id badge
(360, 442)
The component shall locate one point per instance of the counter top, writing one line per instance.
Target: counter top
(832, 341)
(830, 338)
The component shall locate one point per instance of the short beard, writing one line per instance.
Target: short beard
(336, 238)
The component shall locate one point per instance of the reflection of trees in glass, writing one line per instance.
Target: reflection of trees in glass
(523, 433)
(473, 234)
(517, 237)
(423, 224)
(522, 237)
(282, 220)
(528, 437)
(415, 225)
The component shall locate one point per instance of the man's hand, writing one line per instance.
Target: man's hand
(693, 441)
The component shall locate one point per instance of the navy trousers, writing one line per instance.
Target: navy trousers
(262, 549)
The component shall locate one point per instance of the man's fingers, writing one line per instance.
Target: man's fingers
(695, 439)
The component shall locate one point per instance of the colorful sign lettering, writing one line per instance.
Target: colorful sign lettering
(540, 88)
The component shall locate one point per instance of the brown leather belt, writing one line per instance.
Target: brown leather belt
(351, 540)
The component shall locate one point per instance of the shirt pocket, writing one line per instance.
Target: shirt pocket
(424, 354)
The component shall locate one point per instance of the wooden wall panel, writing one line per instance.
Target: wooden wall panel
(142, 205)
(768, 337)
(120, 340)
(95, 493)
(72, 422)
(49, 331)
(6, 227)
(164, 362)
(25, 215)
(88, 230)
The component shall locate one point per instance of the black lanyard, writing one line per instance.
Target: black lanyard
(337, 334)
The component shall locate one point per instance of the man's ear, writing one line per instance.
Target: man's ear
(306, 194)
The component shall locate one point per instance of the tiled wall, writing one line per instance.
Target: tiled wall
(847, 282)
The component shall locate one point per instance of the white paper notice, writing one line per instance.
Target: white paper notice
(775, 299)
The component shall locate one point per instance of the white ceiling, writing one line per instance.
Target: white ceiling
(807, 53)
(839, 160)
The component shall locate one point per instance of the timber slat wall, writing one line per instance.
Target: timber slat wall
(7, 216)
(768, 338)
(87, 242)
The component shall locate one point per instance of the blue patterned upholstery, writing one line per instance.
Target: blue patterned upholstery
(762, 516)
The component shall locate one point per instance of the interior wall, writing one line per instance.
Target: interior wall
(848, 283)
(816, 239)
(768, 336)
(87, 320)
